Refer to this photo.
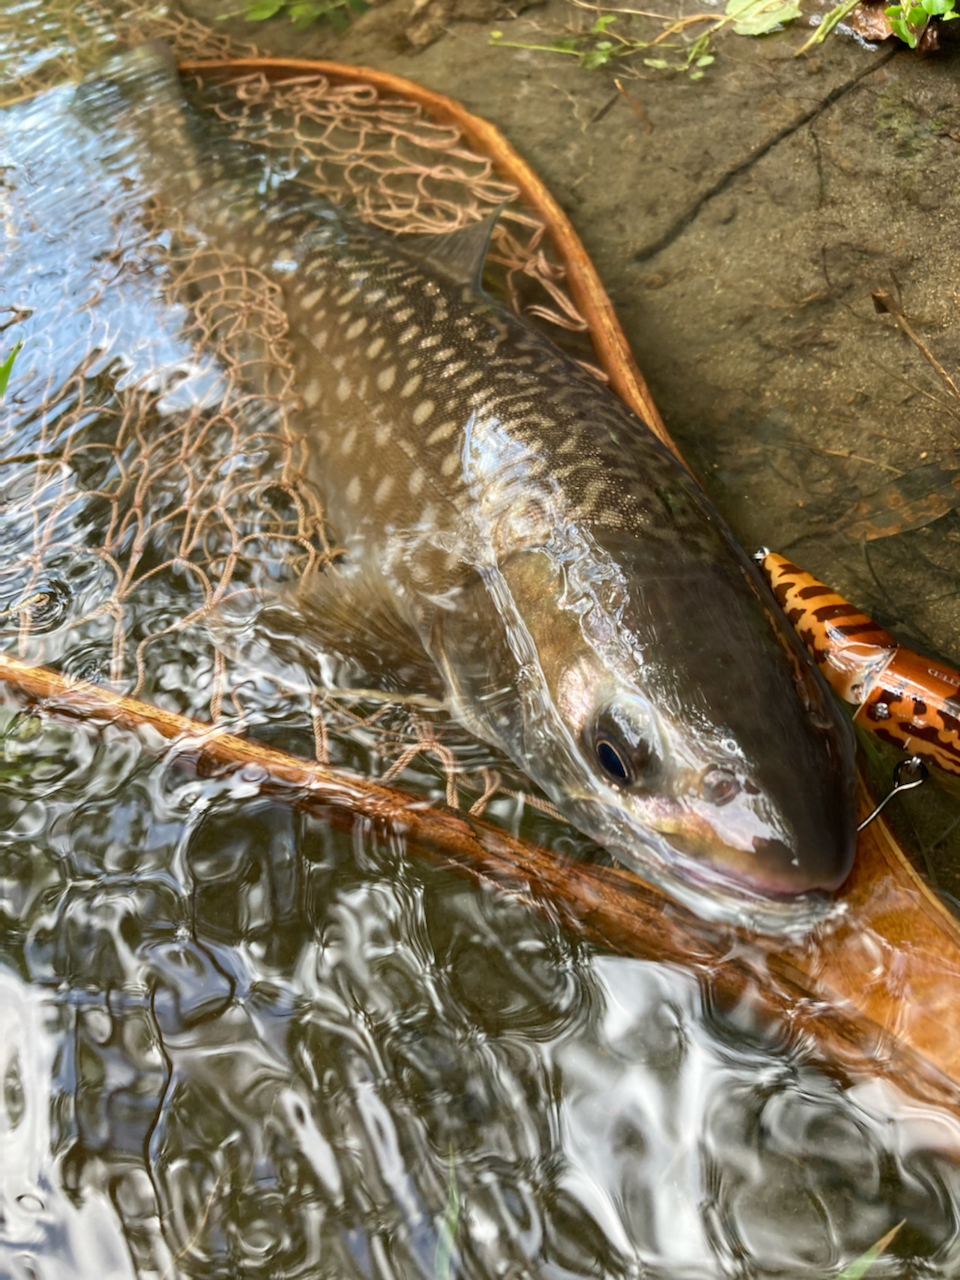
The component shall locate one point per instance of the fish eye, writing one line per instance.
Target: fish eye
(621, 745)
(719, 785)
(611, 759)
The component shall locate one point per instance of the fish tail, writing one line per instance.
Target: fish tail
(138, 98)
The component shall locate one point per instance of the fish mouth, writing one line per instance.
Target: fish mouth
(719, 888)
(719, 881)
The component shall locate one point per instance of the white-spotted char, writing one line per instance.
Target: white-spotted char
(586, 606)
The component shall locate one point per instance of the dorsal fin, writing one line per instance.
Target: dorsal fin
(459, 254)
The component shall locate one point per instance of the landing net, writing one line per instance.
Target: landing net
(154, 483)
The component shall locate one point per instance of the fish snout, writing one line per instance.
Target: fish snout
(779, 850)
(786, 871)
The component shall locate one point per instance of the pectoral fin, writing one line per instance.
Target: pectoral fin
(329, 615)
(354, 617)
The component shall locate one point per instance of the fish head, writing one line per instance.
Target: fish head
(670, 713)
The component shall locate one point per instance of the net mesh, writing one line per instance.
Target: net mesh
(149, 496)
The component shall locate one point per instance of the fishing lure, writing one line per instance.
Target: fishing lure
(902, 697)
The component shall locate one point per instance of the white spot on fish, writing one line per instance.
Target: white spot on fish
(195, 181)
(382, 435)
(443, 432)
(348, 441)
(353, 490)
(311, 393)
(415, 483)
(223, 217)
(403, 315)
(470, 379)
(338, 362)
(375, 295)
(386, 376)
(383, 490)
(375, 347)
(422, 412)
(409, 333)
(310, 300)
(348, 296)
(562, 473)
(319, 338)
(286, 234)
(248, 215)
(450, 463)
(344, 389)
(410, 386)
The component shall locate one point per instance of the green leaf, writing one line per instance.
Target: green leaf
(659, 64)
(900, 28)
(7, 367)
(260, 10)
(860, 1266)
(705, 60)
(758, 17)
(601, 24)
(448, 1228)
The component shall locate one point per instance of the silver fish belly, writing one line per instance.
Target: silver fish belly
(588, 609)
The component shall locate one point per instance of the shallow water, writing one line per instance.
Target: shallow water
(238, 1042)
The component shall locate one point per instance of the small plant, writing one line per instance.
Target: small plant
(860, 1266)
(7, 368)
(696, 59)
(448, 1227)
(601, 44)
(908, 19)
(302, 13)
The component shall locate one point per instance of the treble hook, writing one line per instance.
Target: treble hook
(913, 765)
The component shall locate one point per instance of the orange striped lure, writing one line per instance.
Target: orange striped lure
(905, 699)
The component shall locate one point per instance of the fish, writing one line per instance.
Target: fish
(584, 604)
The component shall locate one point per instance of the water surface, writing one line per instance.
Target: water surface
(239, 1042)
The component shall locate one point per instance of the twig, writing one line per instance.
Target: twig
(636, 106)
(843, 10)
(884, 301)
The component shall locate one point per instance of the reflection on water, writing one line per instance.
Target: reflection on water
(244, 1044)
(236, 1042)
